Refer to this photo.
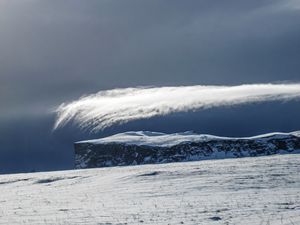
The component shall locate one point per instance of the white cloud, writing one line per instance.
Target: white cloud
(108, 108)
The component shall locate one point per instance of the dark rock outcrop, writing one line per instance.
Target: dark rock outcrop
(91, 154)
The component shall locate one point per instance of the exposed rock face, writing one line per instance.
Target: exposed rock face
(134, 148)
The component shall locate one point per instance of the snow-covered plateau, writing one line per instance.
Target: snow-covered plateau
(253, 190)
(145, 147)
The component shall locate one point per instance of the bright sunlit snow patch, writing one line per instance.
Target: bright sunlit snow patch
(258, 190)
(107, 108)
(161, 139)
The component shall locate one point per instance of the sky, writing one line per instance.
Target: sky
(56, 51)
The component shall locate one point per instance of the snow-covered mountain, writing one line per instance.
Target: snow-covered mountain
(144, 147)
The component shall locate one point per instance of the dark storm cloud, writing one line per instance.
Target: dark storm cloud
(52, 51)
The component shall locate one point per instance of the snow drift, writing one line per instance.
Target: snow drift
(247, 191)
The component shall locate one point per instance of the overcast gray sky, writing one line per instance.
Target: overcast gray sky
(53, 51)
(56, 50)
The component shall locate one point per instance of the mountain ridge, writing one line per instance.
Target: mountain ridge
(146, 147)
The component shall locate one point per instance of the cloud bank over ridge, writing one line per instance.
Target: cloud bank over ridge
(112, 107)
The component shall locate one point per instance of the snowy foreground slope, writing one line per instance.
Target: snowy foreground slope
(254, 190)
(144, 147)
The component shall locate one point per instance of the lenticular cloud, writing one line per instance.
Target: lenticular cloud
(107, 108)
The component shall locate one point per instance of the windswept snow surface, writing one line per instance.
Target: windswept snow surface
(166, 140)
(258, 190)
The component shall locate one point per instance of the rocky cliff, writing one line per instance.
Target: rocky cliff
(132, 148)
